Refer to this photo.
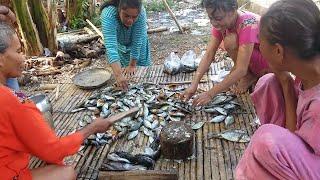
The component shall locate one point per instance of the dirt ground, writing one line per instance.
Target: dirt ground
(162, 44)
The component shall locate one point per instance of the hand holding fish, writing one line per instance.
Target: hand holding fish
(188, 93)
(202, 99)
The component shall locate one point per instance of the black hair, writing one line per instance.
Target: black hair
(6, 33)
(224, 5)
(122, 4)
(294, 24)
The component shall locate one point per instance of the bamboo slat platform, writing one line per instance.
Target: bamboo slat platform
(213, 159)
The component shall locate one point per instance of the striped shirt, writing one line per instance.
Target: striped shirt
(125, 43)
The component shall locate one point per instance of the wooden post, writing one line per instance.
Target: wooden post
(172, 15)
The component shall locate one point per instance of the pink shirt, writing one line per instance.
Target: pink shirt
(308, 116)
(247, 30)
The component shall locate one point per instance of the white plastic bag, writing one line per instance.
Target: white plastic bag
(188, 61)
(172, 64)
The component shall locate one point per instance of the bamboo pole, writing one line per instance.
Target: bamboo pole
(173, 16)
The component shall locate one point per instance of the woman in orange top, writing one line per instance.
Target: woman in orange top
(22, 129)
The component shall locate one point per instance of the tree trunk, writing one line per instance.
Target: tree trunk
(47, 28)
(27, 29)
(73, 8)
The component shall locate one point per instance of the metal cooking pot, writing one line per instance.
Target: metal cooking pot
(43, 104)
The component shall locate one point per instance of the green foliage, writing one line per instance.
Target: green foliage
(157, 5)
(79, 20)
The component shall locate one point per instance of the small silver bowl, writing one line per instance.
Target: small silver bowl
(44, 105)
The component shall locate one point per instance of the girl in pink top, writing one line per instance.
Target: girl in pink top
(287, 145)
(238, 30)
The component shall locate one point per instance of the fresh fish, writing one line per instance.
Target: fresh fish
(221, 111)
(218, 100)
(136, 126)
(107, 98)
(144, 160)
(133, 134)
(154, 124)
(145, 111)
(198, 125)
(210, 110)
(176, 114)
(218, 119)
(147, 124)
(128, 103)
(151, 99)
(125, 155)
(229, 120)
(87, 119)
(82, 123)
(147, 132)
(229, 107)
(94, 109)
(235, 135)
(100, 135)
(151, 139)
(175, 118)
(118, 166)
(105, 108)
(116, 158)
(77, 110)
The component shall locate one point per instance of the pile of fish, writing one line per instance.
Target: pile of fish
(223, 106)
(124, 161)
(158, 106)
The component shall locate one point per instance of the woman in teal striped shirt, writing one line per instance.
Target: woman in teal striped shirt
(124, 27)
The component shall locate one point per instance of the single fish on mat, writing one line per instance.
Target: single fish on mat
(235, 135)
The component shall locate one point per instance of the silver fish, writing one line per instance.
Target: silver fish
(210, 110)
(151, 139)
(135, 126)
(114, 157)
(118, 166)
(107, 98)
(128, 103)
(174, 118)
(147, 132)
(151, 99)
(77, 110)
(229, 107)
(145, 111)
(82, 123)
(176, 114)
(133, 134)
(218, 100)
(147, 124)
(198, 125)
(235, 135)
(154, 124)
(221, 111)
(218, 119)
(87, 119)
(229, 120)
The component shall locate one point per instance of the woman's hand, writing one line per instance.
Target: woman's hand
(121, 81)
(129, 71)
(203, 99)
(188, 93)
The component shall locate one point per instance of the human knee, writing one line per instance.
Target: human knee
(70, 173)
(266, 140)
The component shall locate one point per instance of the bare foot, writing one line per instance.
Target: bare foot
(244, 84)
